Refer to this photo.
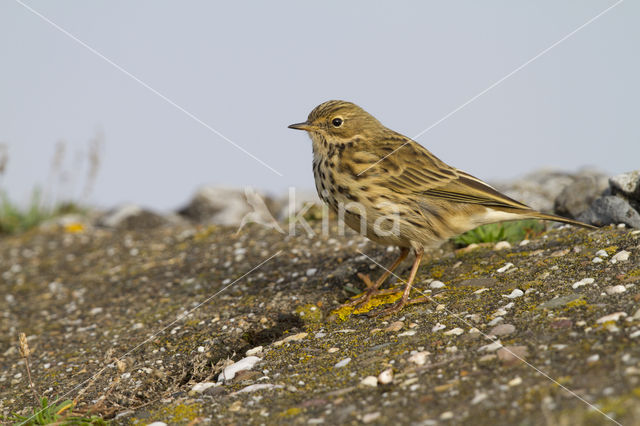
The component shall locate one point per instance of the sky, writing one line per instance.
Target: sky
(183, 94)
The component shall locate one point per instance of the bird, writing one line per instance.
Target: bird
(394, 191)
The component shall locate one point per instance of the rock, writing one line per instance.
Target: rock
(385, 377)
(130, 217)
(578, 196)
(436, 284)
(538, 189)
(258, 386)
(514, 294)
(292, 338)
(611, 317)
(395, 326)
(559, 301)
(615, 289)
(419, 358)
(369, 381)
(627, 184)
(502, 330)
(502, 245)
(621, 256)
(254, 351)
(454, 332)
(493, 346)
(244, 364)
(515, 381)
(371, 417)
(342, 363)
(506, 266)
(610, 209)
(201, 387)
(512, 354)
(228, 206)
(582, 282)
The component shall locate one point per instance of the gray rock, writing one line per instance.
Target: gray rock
(131, 216)
(578, 196)
(227, 206)
(611, 210)
(627, 184)
(538, 190)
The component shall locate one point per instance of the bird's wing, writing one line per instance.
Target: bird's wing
(411, 169)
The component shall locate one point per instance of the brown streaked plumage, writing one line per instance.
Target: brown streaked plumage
(377, 176)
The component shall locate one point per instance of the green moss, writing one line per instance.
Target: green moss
(172, 414)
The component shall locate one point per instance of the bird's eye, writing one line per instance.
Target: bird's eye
(337, 122)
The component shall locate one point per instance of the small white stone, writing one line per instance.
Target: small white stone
(201, 387)
(342, 363)
(635, 334)
(257, 387)
(436, 284)
(515, 381)
(438, 327)
(157, 424)
(244, 364)
(611, 317)
(407, 333)
(311, 272)
(502, 245)
(95, 311)
(454, 332)
(602, 253)
(514, 294)
(616, 289)
(137, 326)
(582, 282)
(333, 350)
(593, 358)
(507, 266)
(493, 346)
(479, 397)
(386, 376)
(524, 242)
(254, 351)
(419, 358)
(370, 417)
(495, 321)
(200, 349)
(480, 291)
(369, 381)
(621, 256)
(597, 259)
(636, 316)
(447, 415)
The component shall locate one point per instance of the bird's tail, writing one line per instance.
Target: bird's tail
(545, 216)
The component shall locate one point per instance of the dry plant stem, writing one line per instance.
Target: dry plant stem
(25, 352)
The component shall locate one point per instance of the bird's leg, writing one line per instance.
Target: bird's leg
(373, 289)
(404, 301)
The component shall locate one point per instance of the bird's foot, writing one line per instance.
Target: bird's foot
(398, 306)
(369, 293)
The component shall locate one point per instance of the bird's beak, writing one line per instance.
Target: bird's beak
(302, 126)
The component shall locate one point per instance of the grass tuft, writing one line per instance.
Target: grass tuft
(506, 231)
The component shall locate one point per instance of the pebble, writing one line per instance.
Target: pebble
(514, 294)
(490, 347)
(201, 387)
(636, 316)
(635, 334)
(258, 386)
(395, 326)
(507, 266)
(369, 381)
(254, 351)
(370, 417)
(616, 289)
(495, 321)
(502, 330)
(436, 284)
(593, 358)
(447, 415)
(621, 256)
(510, 354)
(333, 350)
(407, 333)
(480, 396)
(438, 327)
(611, 317)
(244, 364)
(597, 259)
(515, 381)
(524, 243)
(502, 245)
(602, 253)
(311, 272)
(582, 282)
(385, 377)
(157, 424)
(419, 358)
(342, 363)
(292, 338)
(454, 332)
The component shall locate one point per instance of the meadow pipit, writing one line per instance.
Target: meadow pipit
(396, 192)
